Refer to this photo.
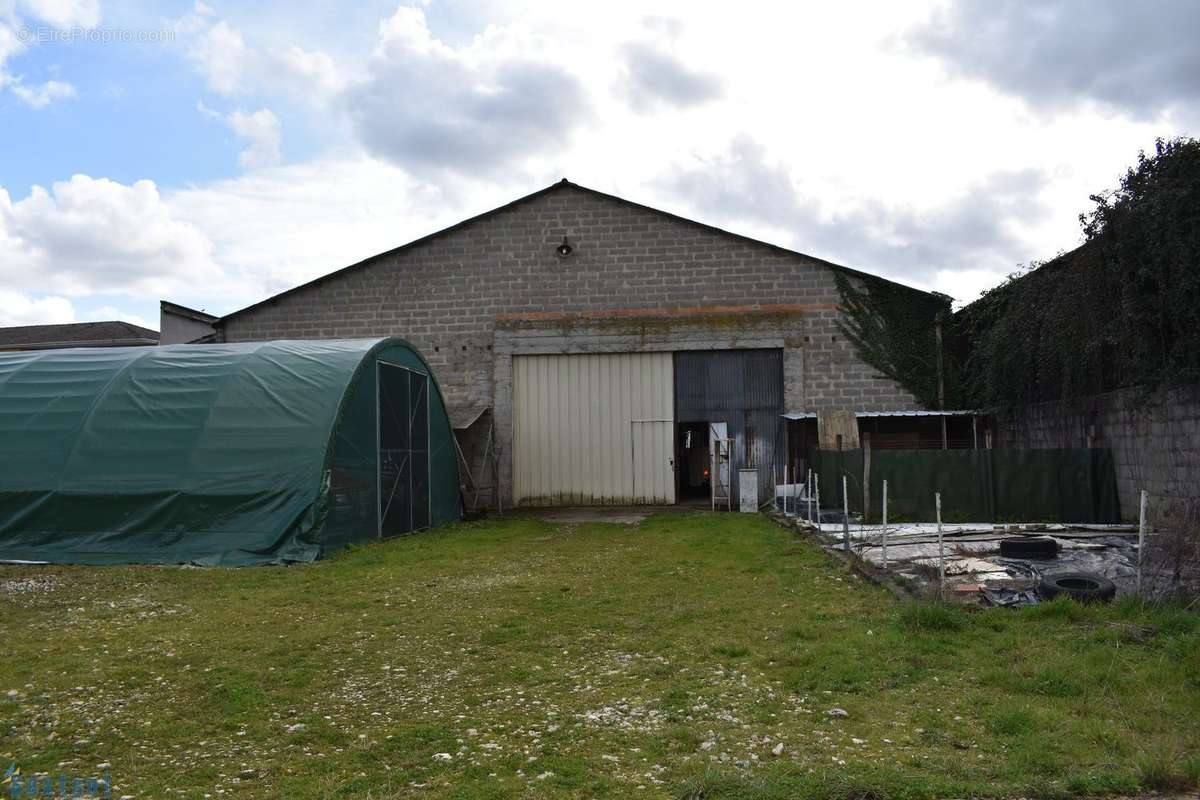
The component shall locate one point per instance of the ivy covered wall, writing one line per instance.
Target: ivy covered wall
(893, 328)
(1122, 310)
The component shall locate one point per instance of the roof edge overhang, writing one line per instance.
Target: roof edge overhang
(136, 342)
(178, 310)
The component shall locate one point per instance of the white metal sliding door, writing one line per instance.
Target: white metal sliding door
(593, 429)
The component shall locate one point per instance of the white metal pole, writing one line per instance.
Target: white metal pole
(788, 490)
(774, 480)
(937, 502)
(845, 516)
(885, 523)
(808, 494)
(1141, 538)
(796, 492)
(785, 489)
(817, 499)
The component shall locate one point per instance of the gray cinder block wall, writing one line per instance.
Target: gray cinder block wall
(472, 297)
(1154, 438)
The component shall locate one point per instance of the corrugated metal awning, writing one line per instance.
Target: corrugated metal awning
(867, 414)
(861, 414)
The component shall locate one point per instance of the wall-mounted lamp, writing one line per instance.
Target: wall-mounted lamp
(565, 249)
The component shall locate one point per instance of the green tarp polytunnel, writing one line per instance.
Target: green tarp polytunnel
(249, 453)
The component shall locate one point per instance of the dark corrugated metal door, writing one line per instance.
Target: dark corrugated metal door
(743, 388)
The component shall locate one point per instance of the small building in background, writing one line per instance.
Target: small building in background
(182, 325)
(112, 333)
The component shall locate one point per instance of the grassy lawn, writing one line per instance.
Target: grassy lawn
(690, 656)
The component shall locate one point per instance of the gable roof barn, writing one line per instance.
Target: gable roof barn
(514, 303)
(554, 187)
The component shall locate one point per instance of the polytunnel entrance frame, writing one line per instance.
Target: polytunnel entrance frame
(408, 464)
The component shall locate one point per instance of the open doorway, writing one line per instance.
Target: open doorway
(694, 459)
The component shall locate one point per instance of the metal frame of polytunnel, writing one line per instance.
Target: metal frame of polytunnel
(247, 453)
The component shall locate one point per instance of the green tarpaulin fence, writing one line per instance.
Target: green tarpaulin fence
(1050, 485)
(251, 453)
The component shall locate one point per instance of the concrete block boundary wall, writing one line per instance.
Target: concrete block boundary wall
(637, 280)
(1154, 437)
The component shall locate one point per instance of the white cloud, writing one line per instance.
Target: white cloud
(223, 58)
(977, 229)
(1057, 54)
(90, 235)
(64, 13)
(262, 129)
(851, 148)
(482, 108)
(314, 70)
(21, 308)
(14, 30)
(208, 112)
(18, 308)
(274, 228)
(233, 68)
(220, 246)
(42, 95)
(10, 44)
(654, 78)
(965, 285)
(106, 313)
(417, 101)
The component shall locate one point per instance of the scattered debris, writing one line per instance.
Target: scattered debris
(1005, 596)
(1003, 565)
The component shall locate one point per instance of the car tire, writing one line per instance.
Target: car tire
(1029, 547)
(1086, 587)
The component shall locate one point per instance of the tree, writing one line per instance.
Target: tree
(1121, 310)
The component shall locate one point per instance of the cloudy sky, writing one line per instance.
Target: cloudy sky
(213, 154)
